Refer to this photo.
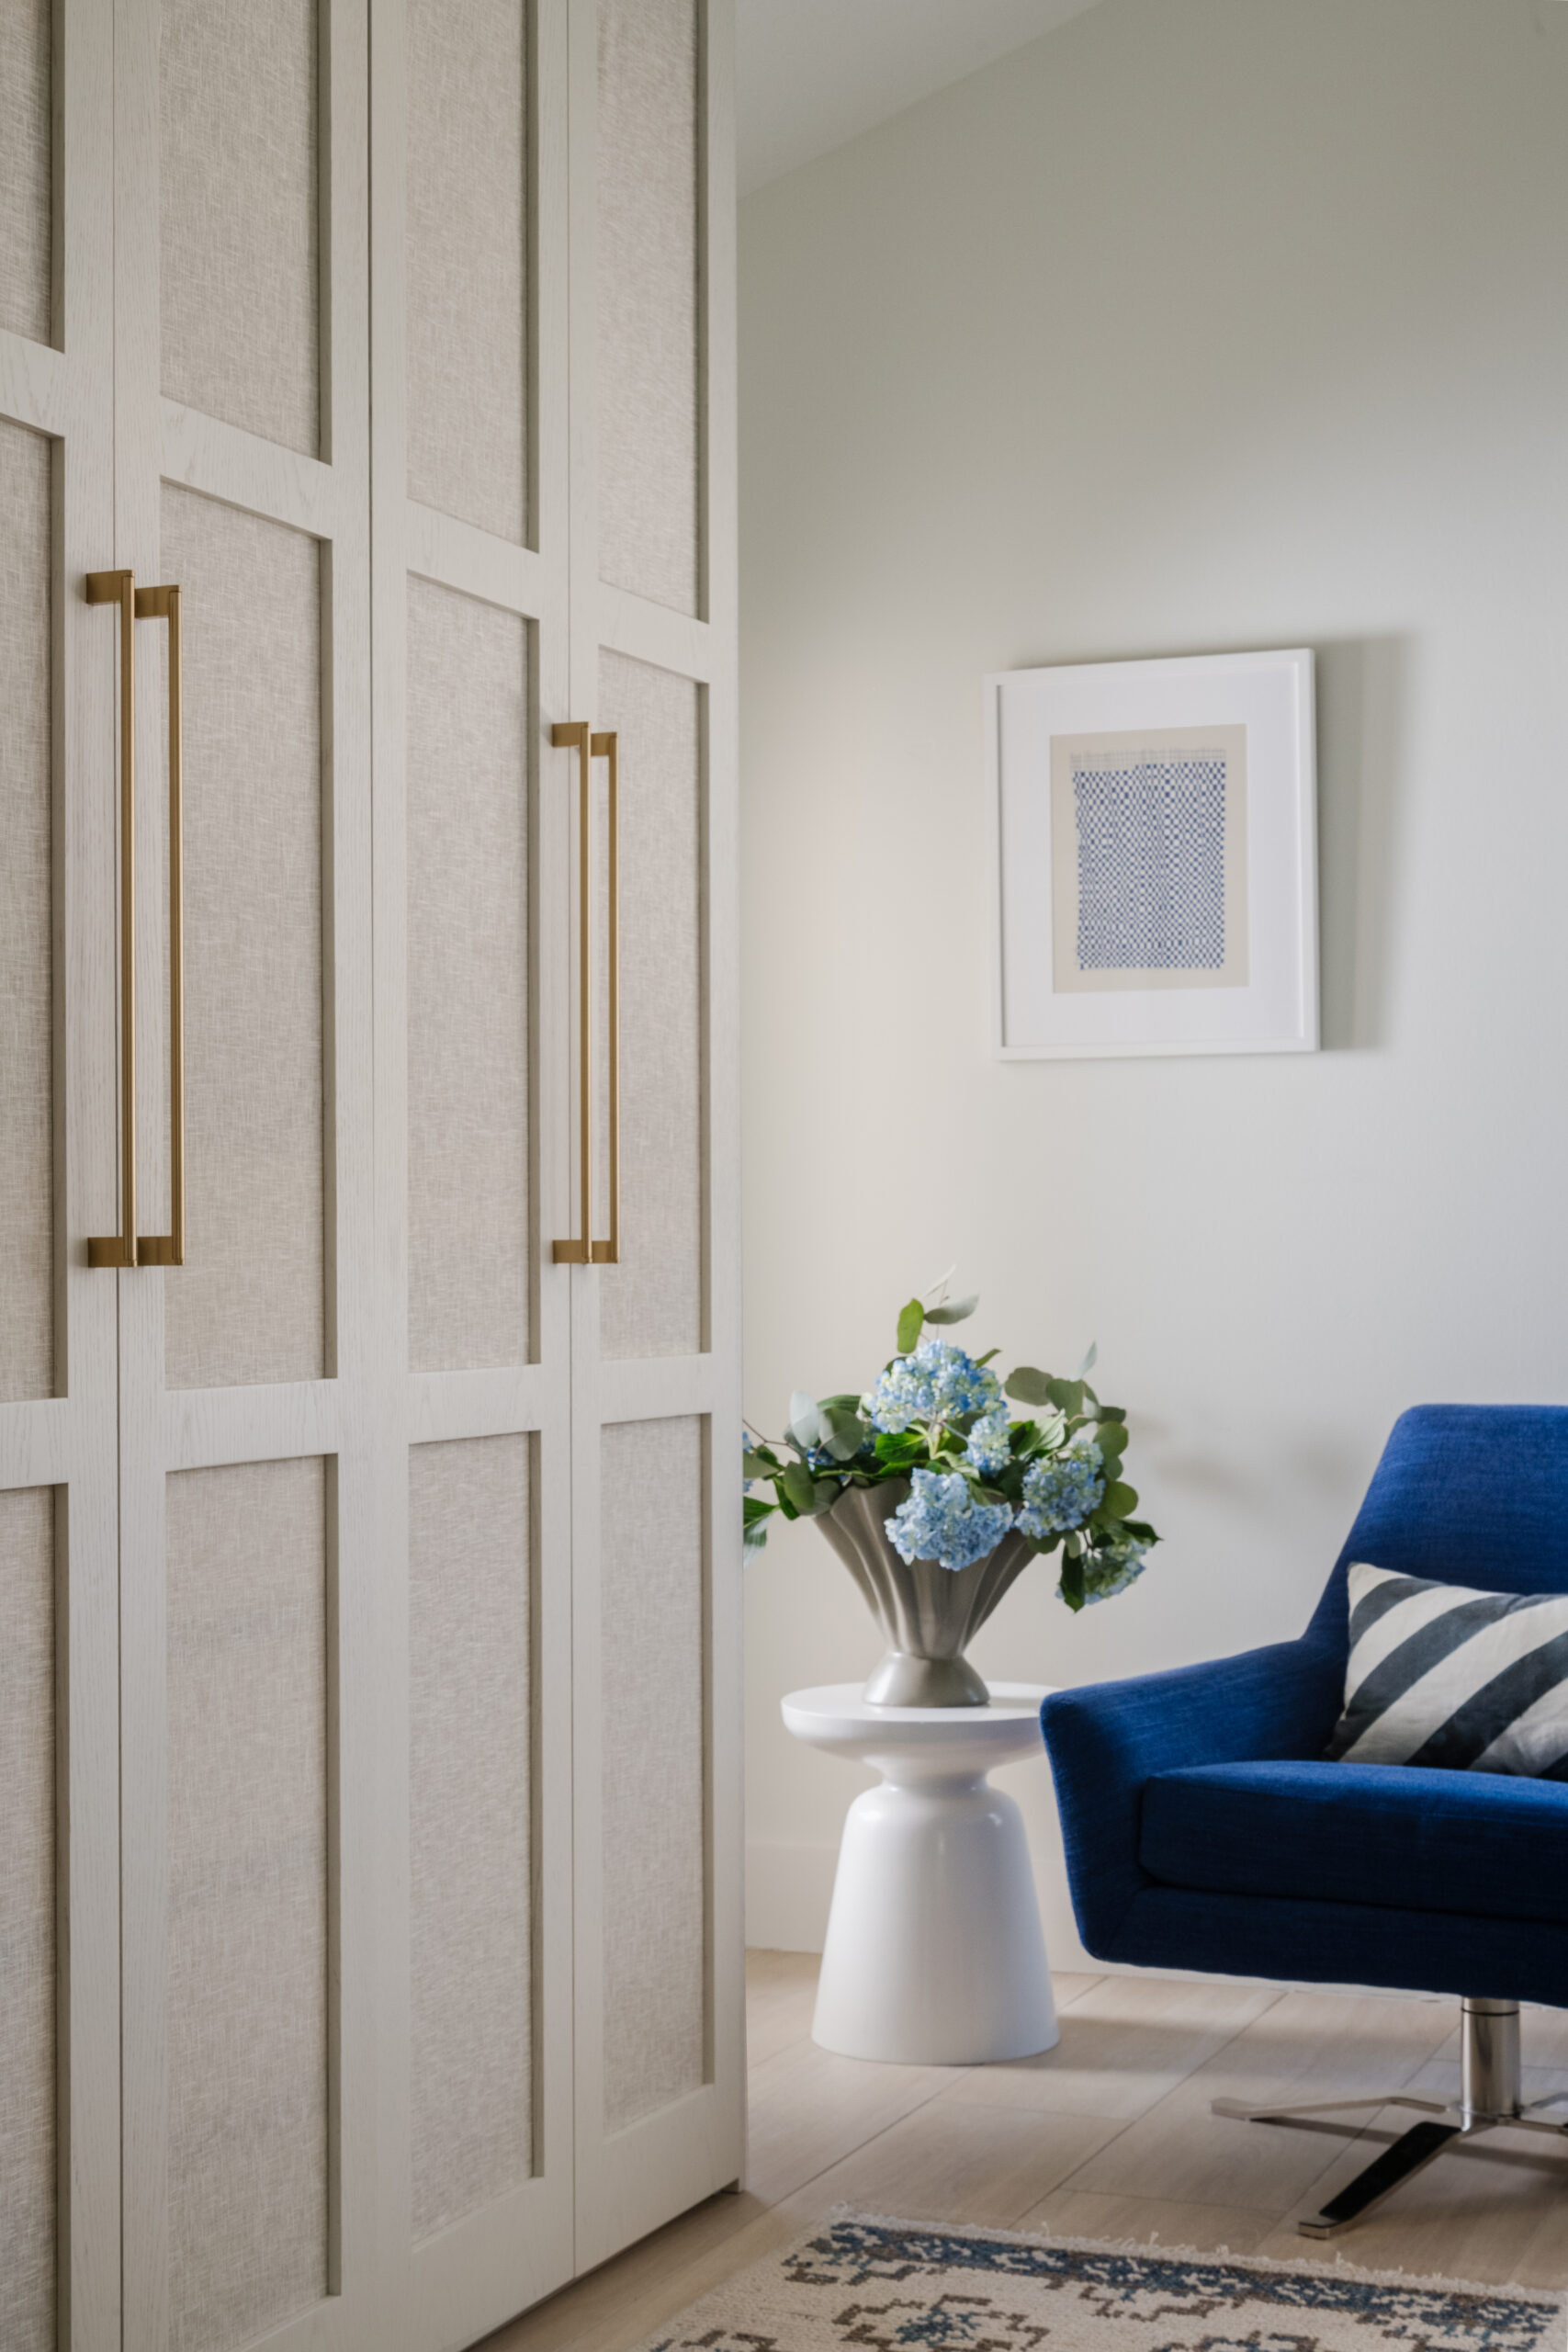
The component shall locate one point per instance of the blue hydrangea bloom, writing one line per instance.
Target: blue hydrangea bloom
(938, 1383)
(1060, 1495)
(942, 1520)
(1107, 1573)
(990, 1445)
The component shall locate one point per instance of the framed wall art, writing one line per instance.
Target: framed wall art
(1154, 851)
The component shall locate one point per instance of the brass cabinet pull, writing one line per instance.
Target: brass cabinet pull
(125, 1248)
(169, 1248)
(608, 1254)
(575, 734)
(119, 588)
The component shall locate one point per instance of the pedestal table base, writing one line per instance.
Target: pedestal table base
(933, 1954)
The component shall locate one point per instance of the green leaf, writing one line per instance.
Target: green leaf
(911, 1319)
(1090, 1360)
(1118, 1499)
(843, 1401)
(753, 1543)
(957, 1310)
(799, 1488)
(846, 1434)
(1031, 1438)
(988, 1356)
(1065, 1395)
(1109, 1412)
(1029, 1386)
(753, 1509)
(1112, 1439)
(757, 1466)
(1142, 1530)
(825, 1494)
(1071, 1585)
(807, 1427)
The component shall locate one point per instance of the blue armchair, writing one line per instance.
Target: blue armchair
(1204, 1831)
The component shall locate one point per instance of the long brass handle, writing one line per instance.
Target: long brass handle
(608, 1254)
(574, 734)
(169, 1248)
(119, 588)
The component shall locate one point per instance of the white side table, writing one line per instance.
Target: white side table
(934, 1955)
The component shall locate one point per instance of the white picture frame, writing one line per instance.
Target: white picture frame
(1154, 858)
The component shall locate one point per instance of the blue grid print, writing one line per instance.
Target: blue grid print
(1151, 831)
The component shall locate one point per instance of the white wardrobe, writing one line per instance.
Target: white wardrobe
(369, 1749)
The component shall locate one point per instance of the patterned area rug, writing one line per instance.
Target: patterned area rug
(859, 2285)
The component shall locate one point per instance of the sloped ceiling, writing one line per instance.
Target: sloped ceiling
(812, 73)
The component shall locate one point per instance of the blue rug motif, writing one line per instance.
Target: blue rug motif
(860, 2285)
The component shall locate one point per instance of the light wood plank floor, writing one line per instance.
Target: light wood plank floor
(1106, 2136)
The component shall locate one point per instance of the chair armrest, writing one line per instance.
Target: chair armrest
(1106, 1740)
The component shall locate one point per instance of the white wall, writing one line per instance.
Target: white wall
(1199, 325)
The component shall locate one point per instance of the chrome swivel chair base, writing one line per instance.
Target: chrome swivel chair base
(1489, 2101)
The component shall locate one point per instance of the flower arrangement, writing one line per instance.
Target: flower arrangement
(938, 1418)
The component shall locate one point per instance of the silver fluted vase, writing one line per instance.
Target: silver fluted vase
(929, 1614)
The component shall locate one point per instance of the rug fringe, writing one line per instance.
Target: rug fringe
(1313, 2267)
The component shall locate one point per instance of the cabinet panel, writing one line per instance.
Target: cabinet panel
(27, 209)
(649, 428)
(651, 1303)
(248, 1306)
(468, 1012)
(470, 1637)
(467, 247)
(239, 205)
(654, 1731)
(27, 1173)
(27, 1920)
(247, 1998)
(61, 2146)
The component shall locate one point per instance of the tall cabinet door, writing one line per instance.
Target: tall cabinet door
(655, 1403)
(60, 778)
(250, 1602)
(472, 805)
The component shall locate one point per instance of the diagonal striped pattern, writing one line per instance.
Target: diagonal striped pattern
(1467, 1681)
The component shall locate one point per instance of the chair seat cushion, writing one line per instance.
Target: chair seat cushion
(1401, 1838)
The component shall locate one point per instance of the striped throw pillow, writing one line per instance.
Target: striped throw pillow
(1440, 1675)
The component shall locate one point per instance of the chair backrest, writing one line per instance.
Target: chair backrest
(1464, 1494)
